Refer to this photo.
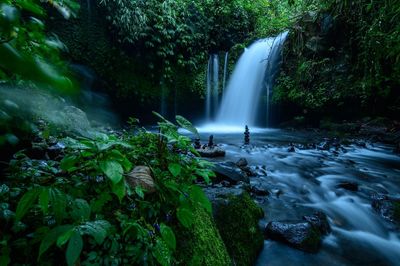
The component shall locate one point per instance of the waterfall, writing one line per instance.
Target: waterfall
(212, 87)
(225, 72)
(240, 103)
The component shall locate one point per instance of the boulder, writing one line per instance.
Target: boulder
(201, 244)
(211, 152)
(141, 176)
(237, 216)
(242, 162)
(352, 186)
(300, 235)
(319, 221)
(230, 172)
(387, 207)
(304, 235)
(258, 190)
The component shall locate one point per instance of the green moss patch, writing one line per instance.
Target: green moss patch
(237, 221)
(201, 244)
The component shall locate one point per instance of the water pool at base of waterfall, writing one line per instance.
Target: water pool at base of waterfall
(306, 180)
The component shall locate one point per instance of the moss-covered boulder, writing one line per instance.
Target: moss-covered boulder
(202, 243)
(237, 219)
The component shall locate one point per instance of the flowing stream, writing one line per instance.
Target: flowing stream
(307, 180)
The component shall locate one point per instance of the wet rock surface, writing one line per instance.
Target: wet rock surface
(230, 172)
(319, 221)
(304, 235)
(387, 207)
(300, 235)
(211, 152)
(351, 186)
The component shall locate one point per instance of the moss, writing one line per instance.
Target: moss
(237, 221)
(201, 244)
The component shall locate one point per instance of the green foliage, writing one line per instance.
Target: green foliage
(84, 206)
(357, 71)
(27, 53)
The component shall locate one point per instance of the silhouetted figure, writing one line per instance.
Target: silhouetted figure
(211, 141)
(246, 136)
(197, 144)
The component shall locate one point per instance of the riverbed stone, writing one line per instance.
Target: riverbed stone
(242, 162)
(229, 171)
(211, 152)
(319, 221)
(300, 235)
(351, 186)
(387, 207)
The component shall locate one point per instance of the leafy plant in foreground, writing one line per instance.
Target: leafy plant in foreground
(84, 207)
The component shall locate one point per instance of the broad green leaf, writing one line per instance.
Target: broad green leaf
(68, 163)
(51, 237)
(44, 200)
(139, 192)
(26, 203)
(74, 248)
(58, 201)
(162, 253)
(185, 216)
(163, 119)
(185, 124)
(81, 210)
(63, 238)
(87, 154)
(30, 6)
(96, 229)
(175, 169)
(116, 155)
(5, 256)
(197, 195)
(119, 189)
(168, 236)
(97, 205)
(112, 170)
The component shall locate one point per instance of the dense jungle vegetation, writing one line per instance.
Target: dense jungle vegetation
(75, 189)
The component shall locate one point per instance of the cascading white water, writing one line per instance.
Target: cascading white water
(212, 86)
(253, 73)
